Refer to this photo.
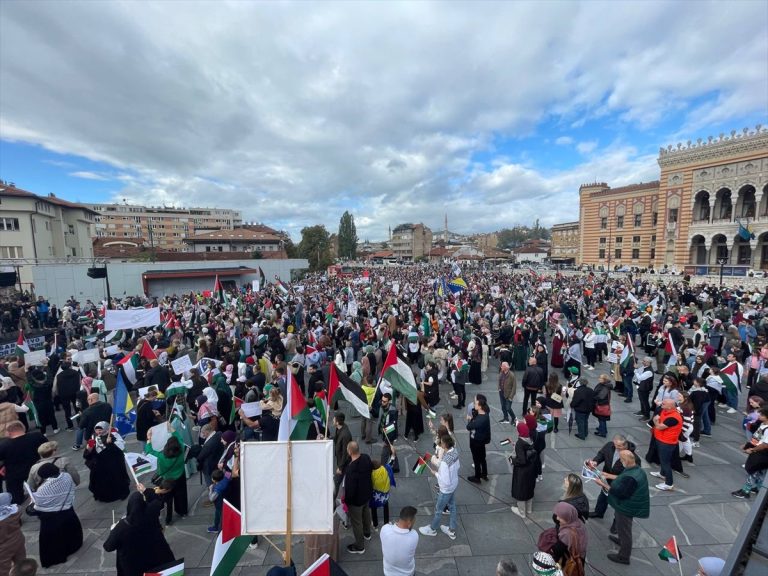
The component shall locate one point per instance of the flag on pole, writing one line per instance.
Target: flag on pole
(147, 352)
(399, 375)
(129, 363)
(175, 568)
(296, 417)
(457, 285)
(670, 552)
(282, 286)
(627, 352)
(351, 390)
(324, 566)
(262, 279)
(125, 415)
(672, 350)
(236, 403)
(22, 346)
(231, 544)
(421, 464)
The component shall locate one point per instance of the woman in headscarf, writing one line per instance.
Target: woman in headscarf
(170, 475)
(525, 463)
(138, 538)
(710, 566)
(207, 413)
(571, 539)
(357, 371)
(12, 549)
(41, 388)
(60, 531)
(104, 457)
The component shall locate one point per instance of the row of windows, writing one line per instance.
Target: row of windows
(620, 239)
(638, 219)
(11, 252)
(635, 253)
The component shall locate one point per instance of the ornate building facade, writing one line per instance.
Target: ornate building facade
(565, 243)
(709, 196)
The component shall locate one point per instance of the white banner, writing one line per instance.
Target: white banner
(86, 356)
(255, 285)
(125, 319)
(264, 512)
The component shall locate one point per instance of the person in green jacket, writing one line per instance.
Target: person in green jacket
(629, 497)
(170, 476)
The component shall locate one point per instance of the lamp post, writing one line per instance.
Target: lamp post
(722, 262)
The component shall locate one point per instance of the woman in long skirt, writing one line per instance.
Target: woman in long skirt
(60, 531)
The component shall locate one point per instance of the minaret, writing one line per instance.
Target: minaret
(445, 229)
(390, 234)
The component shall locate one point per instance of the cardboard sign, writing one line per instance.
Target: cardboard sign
(182, 365)
(36, 358)
(255, 285)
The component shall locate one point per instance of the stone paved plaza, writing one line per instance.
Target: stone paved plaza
(700, 512)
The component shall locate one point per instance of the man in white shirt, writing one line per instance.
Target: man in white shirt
(447, 480)
(398, 544)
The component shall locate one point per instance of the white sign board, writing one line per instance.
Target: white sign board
(181, 365)
(255, 285)
(251, 409)
(9, 348)
(264, 511)
(136, 318)
(112, 350)
(36, 358)
(396, 287)
(546, 285)
(495, 291)
(86, 356)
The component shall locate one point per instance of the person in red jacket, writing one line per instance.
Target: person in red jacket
(666, 431)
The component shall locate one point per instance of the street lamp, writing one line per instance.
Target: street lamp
(722, 262)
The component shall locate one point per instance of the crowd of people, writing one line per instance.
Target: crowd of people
(689, 352)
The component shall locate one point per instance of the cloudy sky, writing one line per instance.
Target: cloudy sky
(293, 112)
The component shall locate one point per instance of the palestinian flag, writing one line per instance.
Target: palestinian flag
(535, 276)
(398, 374)
(231, 544)
(320, 408)
(616, 326)
(147, 352)
(389, 429)
(731, 377)
(351, 390)
(175, 568)
(421, 464)
(129, 363)
(324, 566)
(627, 353)
(282, 286)
(670, 552)
(177, 388)
(218, 289)
(262, 279)
(32, 413)
(114, 336)
(22, 346)
(670, 349)
(296, 417)
(236, 403)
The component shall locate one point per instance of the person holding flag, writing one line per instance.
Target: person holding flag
(447, 480)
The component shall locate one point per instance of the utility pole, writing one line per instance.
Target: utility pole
(722, 262)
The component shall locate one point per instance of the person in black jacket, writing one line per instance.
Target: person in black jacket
(533, 382)
(479, 426)
(608, 456)
(146, 416)
(341, 439)
(18, 452)
(66, 387)
(582, 404)
(95, 412)
(210, 453)
(358, 490)
(644, 379)
(138, 538)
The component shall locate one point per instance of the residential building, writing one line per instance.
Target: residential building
(236, 240)
(35, 227)
(162, 227)
(692, 217)
(565, 243)
(532, 252)
(411, 241)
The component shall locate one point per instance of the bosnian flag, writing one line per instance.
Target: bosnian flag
(175, 568)
(398, 374)
(324, 566)
(230, 543)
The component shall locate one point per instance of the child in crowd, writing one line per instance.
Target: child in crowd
(219, 484)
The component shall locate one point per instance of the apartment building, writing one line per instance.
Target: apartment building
(42, 227)
(411, 241)
(565, 243)
(163, 227)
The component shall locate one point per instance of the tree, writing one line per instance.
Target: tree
(347, 236)
(291, 250)
(257, 255)
(315, 247)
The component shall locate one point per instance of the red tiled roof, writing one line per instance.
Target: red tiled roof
(382, 254)
(236, 235)
(6, 190)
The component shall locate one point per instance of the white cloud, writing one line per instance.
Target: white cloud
(586, 147)
(295, 112)
(86, 175)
